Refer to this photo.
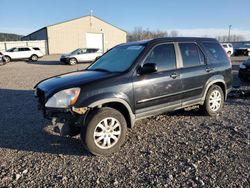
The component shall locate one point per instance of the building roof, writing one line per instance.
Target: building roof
(73, 20)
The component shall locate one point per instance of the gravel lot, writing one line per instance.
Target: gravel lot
(178, 149)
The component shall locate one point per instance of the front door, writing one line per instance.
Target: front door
(161, 89)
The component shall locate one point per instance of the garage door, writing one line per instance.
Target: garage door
(94, 40)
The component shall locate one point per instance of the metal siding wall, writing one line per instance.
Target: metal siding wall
(67, 36)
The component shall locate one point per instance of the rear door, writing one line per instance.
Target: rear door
(24, 52)
(160, 89)
(194, 72)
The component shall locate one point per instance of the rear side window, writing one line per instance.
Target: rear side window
(215, 50)
(163, 56)
(92, 50)
(191, 55)
(224, 45)
(36, 48)
(24, 49)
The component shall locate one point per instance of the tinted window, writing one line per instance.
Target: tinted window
(163, 56)
(24, 49)
(190, 54)
(215, 50)
(36, 48)
(92, 50)
(224, 45)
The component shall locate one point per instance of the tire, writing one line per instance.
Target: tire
(214, 101)
(7, 59)
(72, 61)
(99, 136)
(229, 53)
(34, 58)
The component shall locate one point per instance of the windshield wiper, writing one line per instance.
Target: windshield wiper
(101, 70)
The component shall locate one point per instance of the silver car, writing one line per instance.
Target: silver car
(81, 55)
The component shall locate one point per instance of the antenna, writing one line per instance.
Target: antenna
(91, 14)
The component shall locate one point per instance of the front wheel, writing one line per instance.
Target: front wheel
(104, 132)
(72, 61)
(214, 101)
(6, 59)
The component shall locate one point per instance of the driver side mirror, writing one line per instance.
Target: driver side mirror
(147, 68)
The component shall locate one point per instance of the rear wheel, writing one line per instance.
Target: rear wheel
(72, 61)
(229, 53)
(104, 132)
(214, 100)
(34, 58)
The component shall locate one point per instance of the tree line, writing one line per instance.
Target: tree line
(140, 33)
(9, 37)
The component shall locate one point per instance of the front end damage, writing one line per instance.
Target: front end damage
(65, 121)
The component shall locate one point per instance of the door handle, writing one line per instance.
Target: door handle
(174, 75)
(209, 69)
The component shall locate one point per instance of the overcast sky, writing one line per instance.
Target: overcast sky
(190, 17)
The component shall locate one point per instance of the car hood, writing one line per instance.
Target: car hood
(65, 55)
(71, 80)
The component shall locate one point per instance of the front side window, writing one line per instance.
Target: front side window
(190, 54)
(118, 59)
(163, 56)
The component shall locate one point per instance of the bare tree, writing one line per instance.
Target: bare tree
(173, 34)
(142, 34)
(233, 38)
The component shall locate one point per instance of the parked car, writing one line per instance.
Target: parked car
(134, 81)
(31, 53)
(244, 71)
(81, 55)
(2, 62)
(228, 48)
(243, 51)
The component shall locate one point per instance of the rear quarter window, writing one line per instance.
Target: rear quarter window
(215, 50)
(36, 48)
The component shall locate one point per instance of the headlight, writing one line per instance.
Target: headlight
(242, 66)
(64, 98)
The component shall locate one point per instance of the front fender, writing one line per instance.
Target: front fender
(101, 99)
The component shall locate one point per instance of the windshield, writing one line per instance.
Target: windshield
(11, 50)
(118, 59)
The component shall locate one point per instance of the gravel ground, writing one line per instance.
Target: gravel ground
(178, 149)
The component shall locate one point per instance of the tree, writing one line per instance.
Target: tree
(142, 34)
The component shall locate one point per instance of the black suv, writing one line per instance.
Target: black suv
(133, 81)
